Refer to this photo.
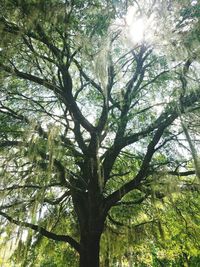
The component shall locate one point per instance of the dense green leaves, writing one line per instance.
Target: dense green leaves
(95, 118)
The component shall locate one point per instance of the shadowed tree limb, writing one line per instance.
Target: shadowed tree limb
(26, 76)
(171, 110)
(144, 169)
(44, 232)
(186, 173)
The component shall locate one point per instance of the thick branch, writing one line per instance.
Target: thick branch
(44, 232)
(186, 173)
(144, 169)
(31, 78)
(171, 110)
(112, 153)
(33, 186)
(9, 143)
(70, 102)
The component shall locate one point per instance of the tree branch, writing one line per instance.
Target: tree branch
(144, 169)
(16, 186)
(8, 143)
(31, 77)
(70, 102)
(64, 238)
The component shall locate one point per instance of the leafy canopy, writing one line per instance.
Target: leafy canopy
(91, 114)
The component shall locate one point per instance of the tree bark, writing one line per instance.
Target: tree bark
(90, 247)
(91, 229)
(90, 210)
(91, 222)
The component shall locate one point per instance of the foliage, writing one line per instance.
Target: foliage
(99, 131)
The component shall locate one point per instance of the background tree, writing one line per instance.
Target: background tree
(92, 112)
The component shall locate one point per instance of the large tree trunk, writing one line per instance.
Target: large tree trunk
(90, 247)
(91, 229)
(89, 207)
(91, 223)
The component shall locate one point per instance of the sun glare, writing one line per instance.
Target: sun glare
(137, 31)
(140, 28)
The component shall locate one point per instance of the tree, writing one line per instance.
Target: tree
(90, 116)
